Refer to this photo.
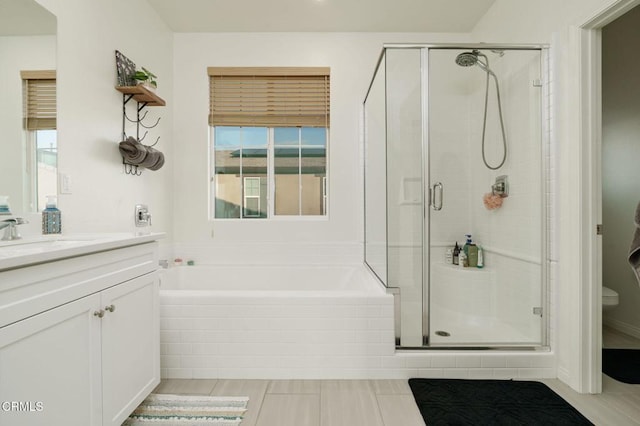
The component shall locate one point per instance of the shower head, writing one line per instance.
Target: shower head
(468, 59)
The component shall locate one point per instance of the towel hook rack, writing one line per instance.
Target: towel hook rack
(131, 169)
(144, 98)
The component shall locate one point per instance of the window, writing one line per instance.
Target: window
(270, 129)
(252, 197)
(40, 123)
(44, 164)
(253, 165)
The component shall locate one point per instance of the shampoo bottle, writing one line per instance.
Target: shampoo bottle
(462, 259)
(480, 257)
(448, 256)
(51, 217)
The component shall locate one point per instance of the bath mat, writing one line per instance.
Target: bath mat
(165, 410)
(622, 365)
(491, 402)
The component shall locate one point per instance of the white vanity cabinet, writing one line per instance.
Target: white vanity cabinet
(79, 338)
(130, 346)
(50, 363)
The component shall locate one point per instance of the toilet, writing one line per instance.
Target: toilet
(609, 298)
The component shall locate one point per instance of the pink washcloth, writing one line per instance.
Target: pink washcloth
(492, 202)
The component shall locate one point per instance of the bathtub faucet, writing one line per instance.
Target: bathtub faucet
(10, 228)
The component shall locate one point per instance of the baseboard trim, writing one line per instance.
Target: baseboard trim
(563, 375)
(622, 327)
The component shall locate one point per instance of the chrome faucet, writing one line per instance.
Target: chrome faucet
(10, 228)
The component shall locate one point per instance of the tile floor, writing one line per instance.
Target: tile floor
(389, 402)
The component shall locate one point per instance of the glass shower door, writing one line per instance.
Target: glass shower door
(499, 304)
(405, 192)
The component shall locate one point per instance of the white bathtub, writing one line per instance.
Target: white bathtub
(272, 280)
(273, 322)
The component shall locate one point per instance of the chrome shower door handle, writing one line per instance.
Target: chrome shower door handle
(436, 196)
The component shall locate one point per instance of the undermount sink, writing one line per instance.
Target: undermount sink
(44, 242)
(40, 244)
(22, 247)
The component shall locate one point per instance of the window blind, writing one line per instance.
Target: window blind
(39, 99)
(269, 97)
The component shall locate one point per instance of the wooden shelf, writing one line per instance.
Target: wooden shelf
(142, 94)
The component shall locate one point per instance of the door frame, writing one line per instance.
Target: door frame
(585, 135)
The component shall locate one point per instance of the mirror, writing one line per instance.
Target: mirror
(28, 158)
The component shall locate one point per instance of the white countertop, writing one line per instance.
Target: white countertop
(46, 248)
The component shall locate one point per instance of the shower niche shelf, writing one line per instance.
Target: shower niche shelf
(461, 269)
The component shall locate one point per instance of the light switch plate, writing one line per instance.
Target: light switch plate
(65, 183)
(142, 215)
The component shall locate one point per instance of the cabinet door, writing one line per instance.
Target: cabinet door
(50, 367)
(130, 346)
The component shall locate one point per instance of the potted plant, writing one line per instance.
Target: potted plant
(146, 78)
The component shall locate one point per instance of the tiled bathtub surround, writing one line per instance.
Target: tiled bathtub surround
(311, 322)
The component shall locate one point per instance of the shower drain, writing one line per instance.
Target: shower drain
(442, 333)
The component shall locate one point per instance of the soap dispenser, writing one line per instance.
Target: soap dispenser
(4, 205)
(51, 217)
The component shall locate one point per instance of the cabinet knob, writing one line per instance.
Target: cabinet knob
(99, 313)
(110, 308)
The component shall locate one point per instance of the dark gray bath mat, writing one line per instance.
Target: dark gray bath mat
(491, 402)
(622, 365)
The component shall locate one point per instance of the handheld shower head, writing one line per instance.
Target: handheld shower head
(484, 67)
(475, 57)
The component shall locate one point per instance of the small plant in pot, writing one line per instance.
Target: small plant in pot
(146, 78)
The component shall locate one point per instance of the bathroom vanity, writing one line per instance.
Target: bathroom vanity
(79, 329)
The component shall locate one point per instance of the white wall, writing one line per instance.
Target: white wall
(620, 171)
(548, 21)
(18, 53)
(352, 58)
(525, 21)
(90, 112)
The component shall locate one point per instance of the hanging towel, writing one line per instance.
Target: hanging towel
(634, 251)
(132, 151)
(159, 163)
(153, 159)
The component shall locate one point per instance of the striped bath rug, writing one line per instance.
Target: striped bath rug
(181, 410)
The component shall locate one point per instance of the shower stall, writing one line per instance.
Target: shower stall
(456, 143)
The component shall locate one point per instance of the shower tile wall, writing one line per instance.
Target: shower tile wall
(456, 156)
(515, 227)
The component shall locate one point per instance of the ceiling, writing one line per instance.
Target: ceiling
(321, 15)
(25, 17)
